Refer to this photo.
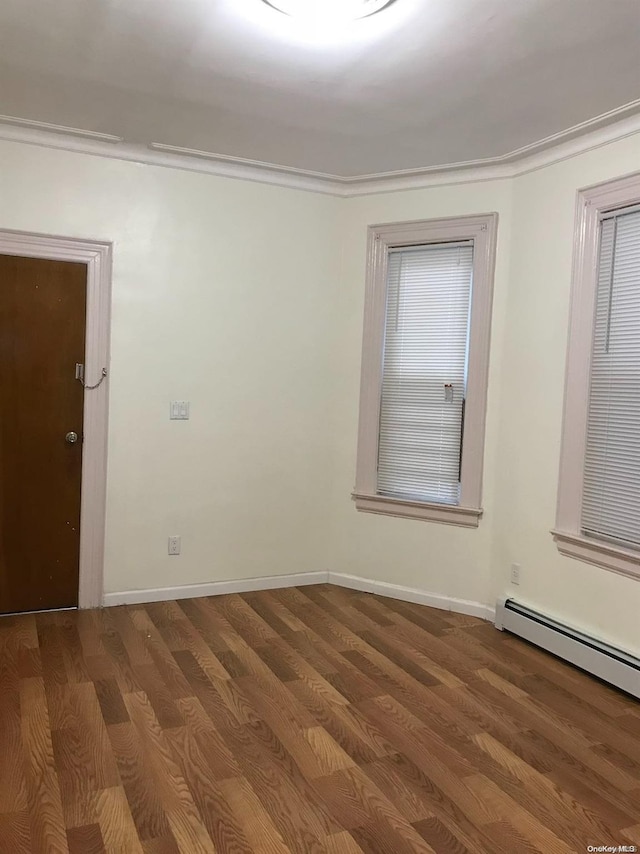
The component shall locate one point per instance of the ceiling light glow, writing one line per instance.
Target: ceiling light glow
(328, 12)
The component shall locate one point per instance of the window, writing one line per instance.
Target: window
(424, 369)
(599, 491)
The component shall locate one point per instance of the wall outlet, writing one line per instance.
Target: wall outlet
(515, 573)
(174, 545)
(179, 410)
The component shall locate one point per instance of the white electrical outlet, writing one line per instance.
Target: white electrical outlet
(174, 545)
(179, 410)
(515, 573)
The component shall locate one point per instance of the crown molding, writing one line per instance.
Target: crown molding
(587, 136)
(156, 154)
(602, 130)
(31, 124)
(241, 161)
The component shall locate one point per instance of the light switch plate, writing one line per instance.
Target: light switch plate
(179, 410)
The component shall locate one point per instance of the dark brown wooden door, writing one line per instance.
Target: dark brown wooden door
(42, 333)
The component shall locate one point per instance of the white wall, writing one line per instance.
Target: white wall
(222, 296)
(438, 558)
(526, 383)
(247, 300)
(533, 360)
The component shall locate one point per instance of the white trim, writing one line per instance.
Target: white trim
(572, 142)
(592, 655)
(47, 127)
(599, 553)
(97, 256)
(482, 230)
(602, 130)
(275, 582)
(239, 161)
(413, 594)
(591, 202)
(352, 582)
(213, 588)
(466, 517)
(185, 159)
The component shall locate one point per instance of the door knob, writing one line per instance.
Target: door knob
(71, 438)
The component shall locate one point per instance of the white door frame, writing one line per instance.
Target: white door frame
(97, 256)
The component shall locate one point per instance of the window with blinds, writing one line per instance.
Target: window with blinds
(611, 485)
(428, 299)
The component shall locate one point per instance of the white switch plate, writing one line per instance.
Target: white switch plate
(515, 573)
(174, 545)
(179, 410)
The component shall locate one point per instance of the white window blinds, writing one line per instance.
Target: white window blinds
(611, 488)
(424, 371)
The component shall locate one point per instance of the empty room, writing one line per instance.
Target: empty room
(319, 426)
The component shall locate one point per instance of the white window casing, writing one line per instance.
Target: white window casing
(598, 513)
(424, 369)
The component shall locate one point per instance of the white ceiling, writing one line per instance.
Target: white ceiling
(423, 83)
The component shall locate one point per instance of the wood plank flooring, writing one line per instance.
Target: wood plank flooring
(304, 720)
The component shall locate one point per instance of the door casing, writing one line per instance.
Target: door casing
(97, 256)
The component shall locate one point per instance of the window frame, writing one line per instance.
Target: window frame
(482, 229)
(591, 203)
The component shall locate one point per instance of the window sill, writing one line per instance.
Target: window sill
(466, 517)
(615, 558)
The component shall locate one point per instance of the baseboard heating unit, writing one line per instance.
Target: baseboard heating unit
(606, 662)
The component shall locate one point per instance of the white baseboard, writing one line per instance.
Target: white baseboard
(413, 594)
(214, 588)
(355, 582)
(272, 582)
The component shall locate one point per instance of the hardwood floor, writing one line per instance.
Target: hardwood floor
(304, 720)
